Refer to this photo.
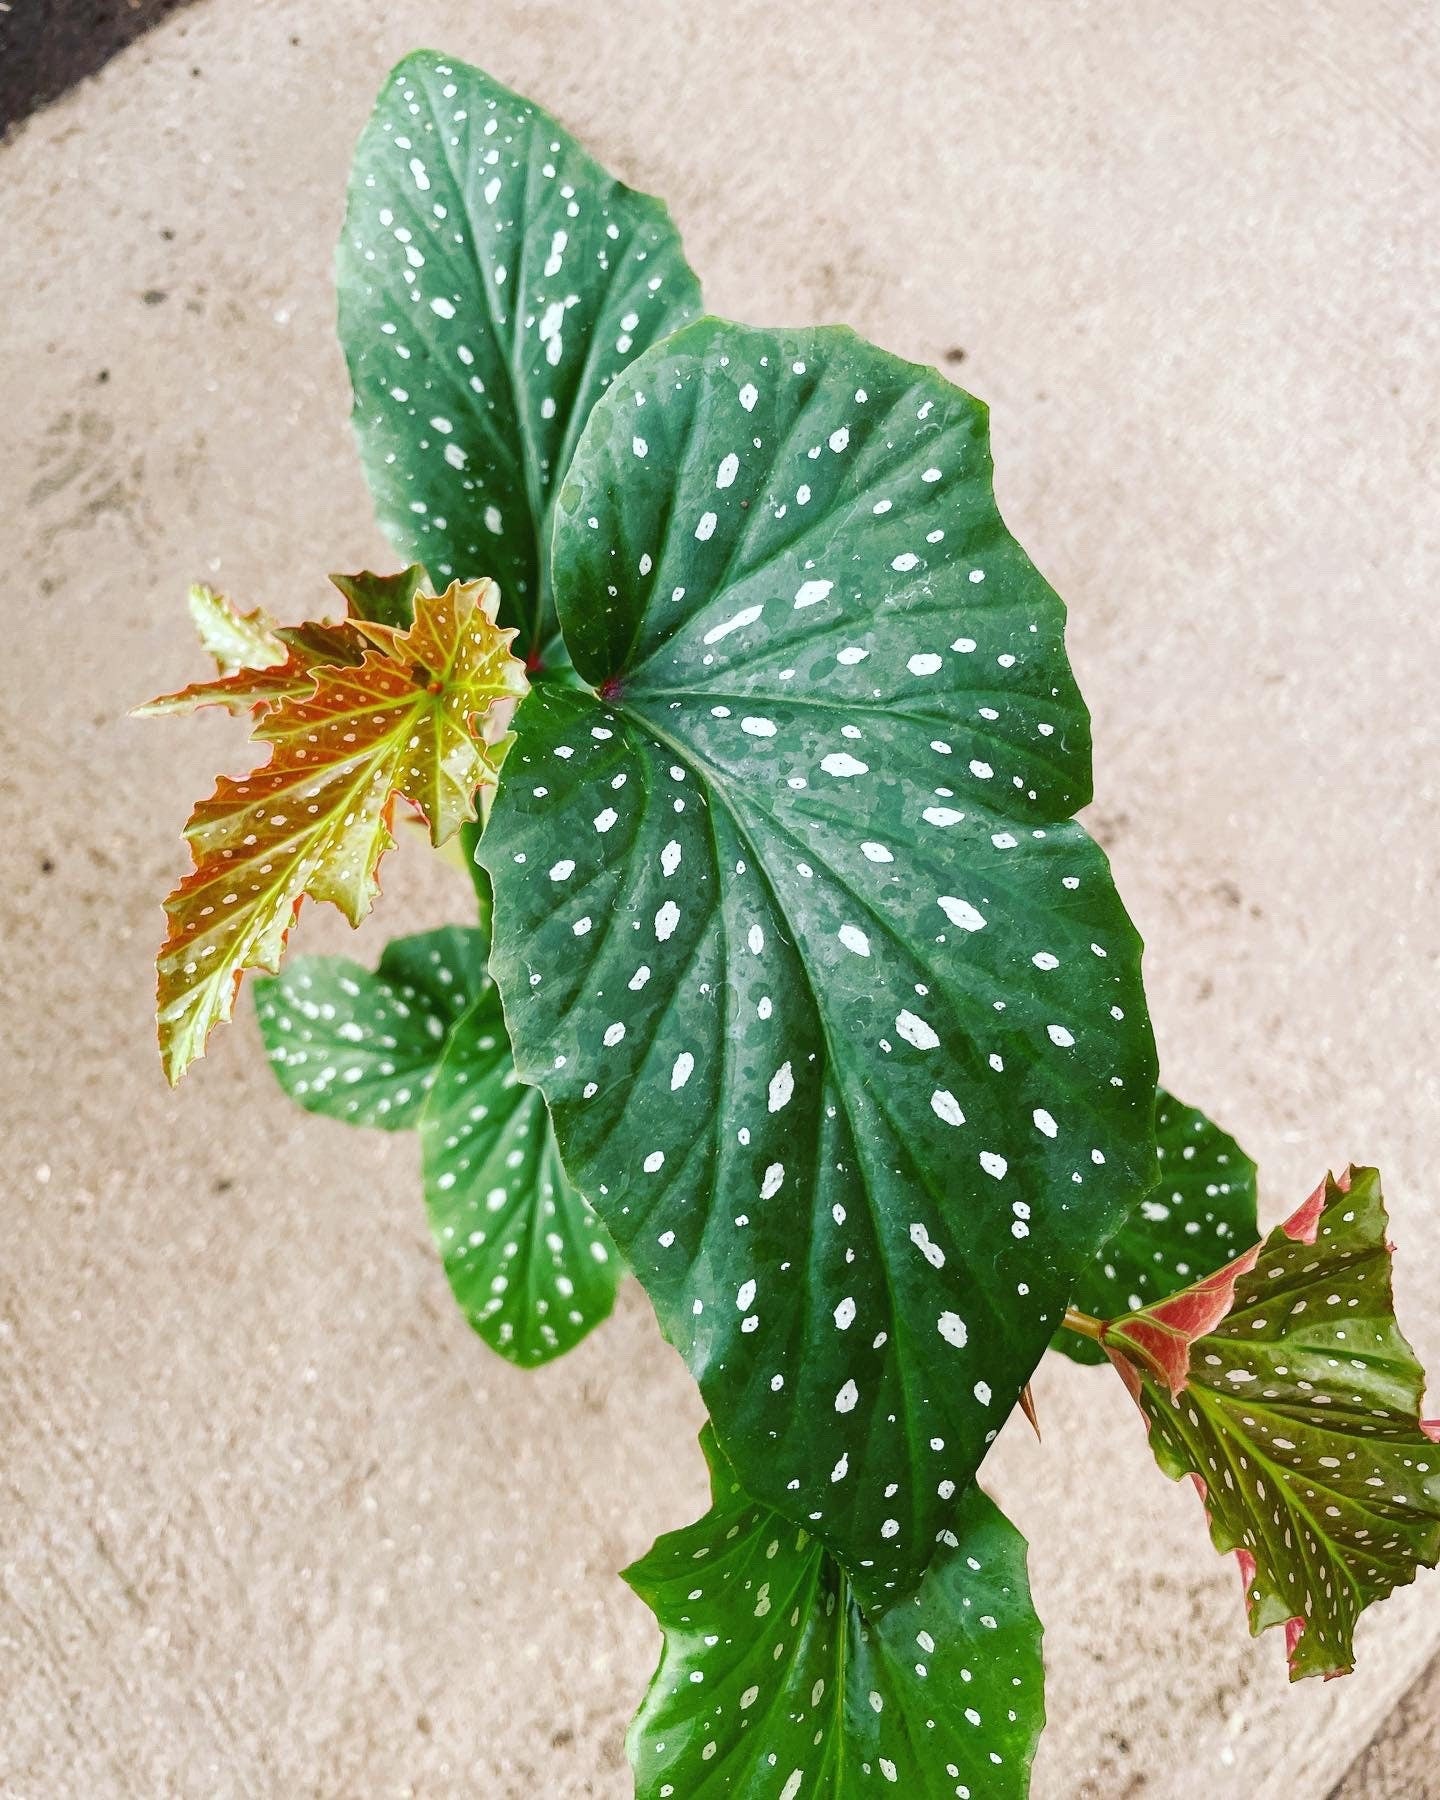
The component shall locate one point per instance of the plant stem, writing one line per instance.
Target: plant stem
(1083, 1323)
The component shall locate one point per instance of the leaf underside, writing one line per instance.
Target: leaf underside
(421, 1041)
(773, 1682)
(315, 819)
(493, 280)
(1286, 1389)
(1199, 1213)
(838, 1013)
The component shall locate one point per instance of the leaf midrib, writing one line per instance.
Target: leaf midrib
(529, 470)
(859, 1141)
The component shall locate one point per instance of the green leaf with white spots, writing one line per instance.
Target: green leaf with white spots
(527, 1260)
(773, 1683)
(493, 280)
(363, 1045)
(1200, 1212)
(836, 1008)
(1284, 1387)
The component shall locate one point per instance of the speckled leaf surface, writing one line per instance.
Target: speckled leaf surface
(408, 719)
(1198, 1215)
(837, 1010)
(363, 1045)
(1284, 1386)
(527, 1260)
(243, 687)
(774, 1685)
(493, 280)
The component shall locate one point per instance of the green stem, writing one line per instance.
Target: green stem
(1083, 1323)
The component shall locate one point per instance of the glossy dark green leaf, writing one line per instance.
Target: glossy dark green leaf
(470, 834)
(773, 1682)
(527, 1260)
(493, 280)
(1284, 1386)
(363, 1045)
(1199, 1214)
(838, 1012)
(387, 599)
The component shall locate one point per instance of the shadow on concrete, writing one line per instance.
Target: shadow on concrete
(46, 46)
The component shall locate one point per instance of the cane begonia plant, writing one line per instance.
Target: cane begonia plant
(793, 985)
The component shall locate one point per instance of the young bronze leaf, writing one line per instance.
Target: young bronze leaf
(775, 1684)
(315, 819)
(1200, 1211)
(1283, 1386)
(236, 640)
(303, 649)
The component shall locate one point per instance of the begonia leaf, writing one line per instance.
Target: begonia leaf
(775, 1683)
(315, 819)
(1199, 1213)
(529, 1263)
(248, 687)
(363, 1045)
(493, 281)
(387, 599)
(837, 1010)
(1283, 1385)
(236, 640)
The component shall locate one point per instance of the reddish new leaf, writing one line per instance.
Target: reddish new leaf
(236, 640)
(303, 649)
(407, 718)
(1283, 1386)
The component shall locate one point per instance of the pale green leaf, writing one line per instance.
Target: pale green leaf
(363, 1045)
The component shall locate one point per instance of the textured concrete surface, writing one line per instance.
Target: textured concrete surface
(1404, 1756)
(271, 1521)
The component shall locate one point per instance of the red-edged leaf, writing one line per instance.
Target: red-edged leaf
(303, 649)
(1200, 1211)
(236, 640)
(1283, 1386)
(407, 719)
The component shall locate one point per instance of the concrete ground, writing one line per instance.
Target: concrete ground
(272, 1523)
